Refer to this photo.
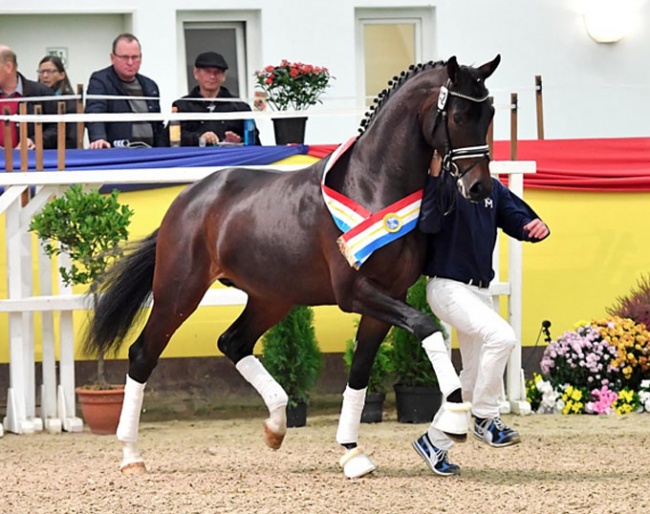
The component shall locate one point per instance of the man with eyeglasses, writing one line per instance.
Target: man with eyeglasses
(122, 79)
(13, 87)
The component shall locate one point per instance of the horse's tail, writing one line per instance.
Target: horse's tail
(120, 294)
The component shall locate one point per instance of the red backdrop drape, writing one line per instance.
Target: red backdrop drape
(619, 164)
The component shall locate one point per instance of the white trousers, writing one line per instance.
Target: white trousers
(485, 340)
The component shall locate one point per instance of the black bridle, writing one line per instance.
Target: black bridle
(451, 154)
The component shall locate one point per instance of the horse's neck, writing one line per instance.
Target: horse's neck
(381, 171)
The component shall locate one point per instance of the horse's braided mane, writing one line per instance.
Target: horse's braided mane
(393, 85)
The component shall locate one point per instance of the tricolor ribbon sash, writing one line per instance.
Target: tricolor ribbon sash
(363, 231)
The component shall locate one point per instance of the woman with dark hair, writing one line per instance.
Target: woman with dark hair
(51, 72)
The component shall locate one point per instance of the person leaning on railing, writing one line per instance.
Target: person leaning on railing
(13, 87)
(51, 72)
(122, 79)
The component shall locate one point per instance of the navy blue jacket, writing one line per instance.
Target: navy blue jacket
(460, 244)
(106, 82)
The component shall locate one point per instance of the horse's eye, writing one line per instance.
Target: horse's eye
(458, 118)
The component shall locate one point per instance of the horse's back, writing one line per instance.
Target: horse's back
(261, 228)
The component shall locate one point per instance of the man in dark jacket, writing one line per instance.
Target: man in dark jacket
(461, 241)
(14, 86)
(210, 70)
(123, 79)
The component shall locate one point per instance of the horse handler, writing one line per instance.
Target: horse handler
(460, 244)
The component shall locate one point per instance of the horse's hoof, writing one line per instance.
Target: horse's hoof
(454, 420)
(356, 464)
(273, 438)
(134, 468)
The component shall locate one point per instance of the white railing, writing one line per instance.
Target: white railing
(57, 410)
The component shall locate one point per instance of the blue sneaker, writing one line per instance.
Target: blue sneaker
(493, 431)
(437, 460)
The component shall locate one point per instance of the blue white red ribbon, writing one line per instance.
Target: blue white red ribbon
(363, 231)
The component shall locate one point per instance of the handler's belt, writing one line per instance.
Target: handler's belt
(363, 231)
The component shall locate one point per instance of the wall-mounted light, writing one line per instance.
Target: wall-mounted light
(609, 21)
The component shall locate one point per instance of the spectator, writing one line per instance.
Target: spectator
(51, 72)
(210, 71)
(122, 79)
(13, 86)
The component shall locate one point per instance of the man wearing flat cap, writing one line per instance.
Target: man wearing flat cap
(210, 96)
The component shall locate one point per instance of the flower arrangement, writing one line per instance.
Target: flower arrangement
(632, 343)
(628, 401)
(644, 396)
(573, 400)
(602, 401)
(601, 367)
(293, 84)
(541, 395)
(581, 357)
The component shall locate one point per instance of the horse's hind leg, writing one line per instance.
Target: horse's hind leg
(174, 301)
(370, 334)
(237, 344)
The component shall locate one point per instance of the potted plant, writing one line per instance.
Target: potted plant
(381, 369)
(417, 395)
(296, 85)
(90, 228)
(291, 355)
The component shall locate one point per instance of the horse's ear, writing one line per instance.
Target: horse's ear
(488, 68)
(452, 68)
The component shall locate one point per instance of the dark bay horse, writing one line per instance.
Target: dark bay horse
(272, 235)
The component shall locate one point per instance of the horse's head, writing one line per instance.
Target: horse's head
(456, 125)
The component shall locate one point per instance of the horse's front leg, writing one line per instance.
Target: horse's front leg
(237, 343)
(369, 300)
(370, 334)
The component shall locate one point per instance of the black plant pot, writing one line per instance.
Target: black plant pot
(297, 416)
(417, 404)
(373, 409)
(289, 130)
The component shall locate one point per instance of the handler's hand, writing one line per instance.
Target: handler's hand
(436, 164)
(536, 229)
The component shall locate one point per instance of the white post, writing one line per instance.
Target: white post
(66, 365)
(518, 403)
(48, 392)
(16, 420)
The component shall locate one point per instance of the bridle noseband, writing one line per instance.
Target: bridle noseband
(452, 155)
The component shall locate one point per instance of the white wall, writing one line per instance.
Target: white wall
(590, 90)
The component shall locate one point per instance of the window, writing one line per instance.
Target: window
(234, 34)
(224, 38)
(388, 42)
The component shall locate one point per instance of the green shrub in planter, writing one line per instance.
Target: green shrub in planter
(291, 355)
(90, 227)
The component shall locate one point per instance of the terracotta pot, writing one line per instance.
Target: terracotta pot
(101, 409)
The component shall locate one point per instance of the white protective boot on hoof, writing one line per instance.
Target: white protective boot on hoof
(454, 420)
(356, 464)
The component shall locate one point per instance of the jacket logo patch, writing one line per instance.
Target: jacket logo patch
(488, 203)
